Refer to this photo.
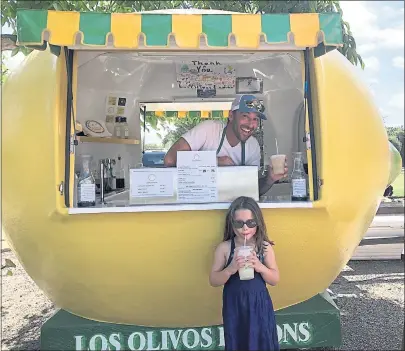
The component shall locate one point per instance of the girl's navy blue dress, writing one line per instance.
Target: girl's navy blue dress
(248, 314)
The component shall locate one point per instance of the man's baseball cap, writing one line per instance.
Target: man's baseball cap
(248, 103)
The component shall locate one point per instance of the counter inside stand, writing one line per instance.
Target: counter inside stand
(158, 189)
(119, 203)
(180, 207)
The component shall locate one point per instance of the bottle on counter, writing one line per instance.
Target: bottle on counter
(124, 128)
(114, 175)
(120, 174)
(298, 179)
(86, 185)
(117, 127)
(109, 123)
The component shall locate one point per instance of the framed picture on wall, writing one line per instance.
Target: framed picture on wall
(249, 85)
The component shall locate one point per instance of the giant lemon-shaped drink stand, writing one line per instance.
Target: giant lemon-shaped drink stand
(123, 281)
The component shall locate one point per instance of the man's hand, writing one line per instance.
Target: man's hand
(272, 178)
(171, 156)
(266, 183)
(225, 161)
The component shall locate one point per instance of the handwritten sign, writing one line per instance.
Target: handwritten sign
(202, 74)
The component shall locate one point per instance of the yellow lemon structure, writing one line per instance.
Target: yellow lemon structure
(152, 268)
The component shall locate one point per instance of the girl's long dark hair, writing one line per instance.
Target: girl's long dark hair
(247, 203)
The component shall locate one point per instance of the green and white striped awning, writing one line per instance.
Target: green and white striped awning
(192, 31)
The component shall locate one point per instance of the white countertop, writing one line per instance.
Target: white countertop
(182, 207)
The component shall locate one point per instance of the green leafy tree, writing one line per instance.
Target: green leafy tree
(394, 134)
(176, 127)
(151, 147)
(396, 137)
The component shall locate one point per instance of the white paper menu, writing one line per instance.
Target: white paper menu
(151, 182)
(197, 176)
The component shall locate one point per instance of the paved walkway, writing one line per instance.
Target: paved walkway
(384, 239)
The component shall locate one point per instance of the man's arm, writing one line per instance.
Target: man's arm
(193, 139)
(264, 185)
(171, 156)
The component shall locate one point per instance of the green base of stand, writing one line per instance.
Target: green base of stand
(313, 323)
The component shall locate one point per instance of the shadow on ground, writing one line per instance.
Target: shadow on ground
(370, 298)
(28, 335)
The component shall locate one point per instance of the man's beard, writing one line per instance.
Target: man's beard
(237, 132)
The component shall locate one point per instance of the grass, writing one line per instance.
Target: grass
(398, 185)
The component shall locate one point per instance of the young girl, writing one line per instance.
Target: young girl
(248, 314)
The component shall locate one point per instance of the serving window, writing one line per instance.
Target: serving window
(131, 107)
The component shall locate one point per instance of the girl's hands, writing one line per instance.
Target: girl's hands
(237, 262)
(254, 262)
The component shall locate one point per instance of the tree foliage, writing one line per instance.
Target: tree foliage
(396, 136)
(176, 127)
(152, 147)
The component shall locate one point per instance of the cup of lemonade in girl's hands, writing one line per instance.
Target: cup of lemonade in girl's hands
(247, 272)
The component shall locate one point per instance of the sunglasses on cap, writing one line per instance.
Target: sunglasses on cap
(256, 104)
(250, 223)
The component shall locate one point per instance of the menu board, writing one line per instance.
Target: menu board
(151, 182)
(197, 176)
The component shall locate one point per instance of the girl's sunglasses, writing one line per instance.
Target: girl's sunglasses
(251, 223)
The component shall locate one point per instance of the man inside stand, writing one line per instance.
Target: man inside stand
(234, 143)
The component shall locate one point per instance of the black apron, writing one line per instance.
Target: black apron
(222, 142)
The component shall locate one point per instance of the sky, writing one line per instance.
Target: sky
(378, 28)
